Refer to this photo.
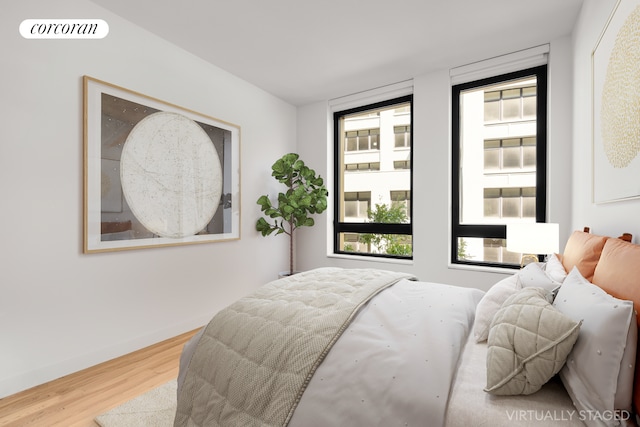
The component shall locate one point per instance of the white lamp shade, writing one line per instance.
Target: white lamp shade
(533, 238)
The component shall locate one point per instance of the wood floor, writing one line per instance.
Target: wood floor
(75, 400)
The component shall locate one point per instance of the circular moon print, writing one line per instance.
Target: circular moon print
(171, 175)
(620, 111)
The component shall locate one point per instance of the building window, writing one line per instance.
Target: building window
(510, 203)
(353, 243)
(510, 104)
(401, 200)
(354, 167)
(402, 136)
(499, 163)
(373, 206)
(362, 140)
(401, 164)
(357, 204)
(509, 154)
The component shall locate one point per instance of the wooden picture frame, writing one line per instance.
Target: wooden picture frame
(156, 174)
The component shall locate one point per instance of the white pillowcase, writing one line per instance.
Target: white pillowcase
(491, 303)
(554, 268)
(532, 275)
(598, 374)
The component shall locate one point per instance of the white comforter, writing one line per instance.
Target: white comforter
(395, 364)
(256, 357)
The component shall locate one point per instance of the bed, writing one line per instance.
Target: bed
(553, 344)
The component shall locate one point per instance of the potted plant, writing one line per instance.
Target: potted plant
(305, 195)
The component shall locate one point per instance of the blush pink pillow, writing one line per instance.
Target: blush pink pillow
(583, 251)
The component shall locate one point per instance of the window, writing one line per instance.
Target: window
(352, 167)
(362, 140)
(510, 202)
(510, 104)
(402, 200)
(401, 164)
(512, 153)
(357, 204)
(373, 179)
(402, 136)
(498, 163)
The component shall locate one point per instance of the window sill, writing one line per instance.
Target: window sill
(371, 259)
(482, 268)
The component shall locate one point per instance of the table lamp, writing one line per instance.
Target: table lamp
(532, 238)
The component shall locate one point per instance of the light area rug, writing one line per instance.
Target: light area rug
(156, 408)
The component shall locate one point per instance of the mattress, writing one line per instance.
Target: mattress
(469, 405)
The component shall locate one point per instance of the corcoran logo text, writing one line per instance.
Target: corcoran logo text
(64, 29)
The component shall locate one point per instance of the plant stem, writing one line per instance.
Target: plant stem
(291, 248)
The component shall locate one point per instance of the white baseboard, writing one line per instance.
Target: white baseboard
(41, 375)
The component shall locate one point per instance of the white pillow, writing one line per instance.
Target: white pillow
(600, 363)
(554, 268)
(533, 275)
(491, 303)
(528, 343)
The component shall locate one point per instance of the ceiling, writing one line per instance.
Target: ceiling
(305, 51)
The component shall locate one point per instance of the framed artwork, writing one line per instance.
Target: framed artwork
(616, 106)
(156, 174)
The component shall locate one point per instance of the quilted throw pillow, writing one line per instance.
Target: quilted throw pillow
(529, 342)
(533, 275)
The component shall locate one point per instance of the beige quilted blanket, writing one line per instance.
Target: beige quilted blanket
(257, 356)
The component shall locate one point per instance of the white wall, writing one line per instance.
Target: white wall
(609, 219)
(431, 174)
(61, 310)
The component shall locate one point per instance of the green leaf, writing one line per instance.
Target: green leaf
(305, 201)
(264, 202)
(287, 210)
(263, 227)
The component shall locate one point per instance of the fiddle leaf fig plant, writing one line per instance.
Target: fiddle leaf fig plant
(305, 195)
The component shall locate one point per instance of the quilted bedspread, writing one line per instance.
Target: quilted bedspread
(266, 347)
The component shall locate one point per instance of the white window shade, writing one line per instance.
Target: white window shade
(384, 93)
(503, 64)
